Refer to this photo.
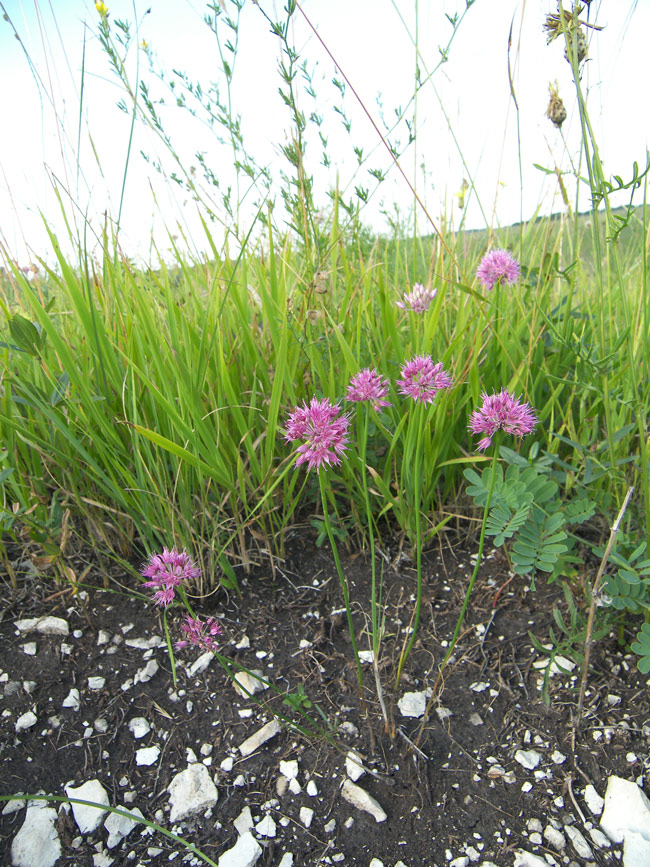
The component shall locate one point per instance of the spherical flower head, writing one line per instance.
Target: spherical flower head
(167, 571)
(324, 429)
(501, 412)
(418, 300)
(200, 633)
(498, 267)
(368, 385)
(422, 379)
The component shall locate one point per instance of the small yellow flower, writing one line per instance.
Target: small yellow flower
(102, 8)
(144, 45)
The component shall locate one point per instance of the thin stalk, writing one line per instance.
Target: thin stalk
(343, 582)
(592, 606)
(461, 617)
(375, 619)
(417, 497)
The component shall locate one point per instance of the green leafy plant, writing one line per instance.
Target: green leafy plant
(527, 508)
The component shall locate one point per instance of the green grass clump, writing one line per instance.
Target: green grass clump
(150, 403)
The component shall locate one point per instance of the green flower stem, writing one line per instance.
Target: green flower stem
(417, 491)
(470, 587)
(375, 617)
(343, 582)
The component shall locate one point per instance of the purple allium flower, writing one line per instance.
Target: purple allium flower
(167, 571)
(498, 267)
(368, 385)
(501, 411)
(418, 300)
(422, 379)
(325, 432)
(202, 634)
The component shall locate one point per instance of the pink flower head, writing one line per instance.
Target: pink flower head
(368, 385)
(324, 430)
(167, 571)
(418, 300)
(501, 411)
(498, 267)
(422, 379)
(201, 634)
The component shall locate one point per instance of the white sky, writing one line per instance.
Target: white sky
(42, 141)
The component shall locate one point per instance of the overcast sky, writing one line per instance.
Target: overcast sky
(467, 123)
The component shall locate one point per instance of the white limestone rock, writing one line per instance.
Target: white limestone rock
(145, 643)
(627, 810)
(43, 625)
(25, 721)
(527, 859)
(139, 727)
(244, 822)
(306, 816)
(119, 826)
(289, 769)
(88, 818)
(13, 806)
(555, 838)
(593, 801)
(261, 736)
(200, 664)
(147, 755)
(583, 849)
(244, 853)
(354, 766)
(528, 759)
(37, 843)
(413, 704)
(247, 683)
(191, 791)
(144, 674)
(266, 827)
(636, 850)
(360, 799)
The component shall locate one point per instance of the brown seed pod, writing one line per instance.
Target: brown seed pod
(580, 42)
(556, 112)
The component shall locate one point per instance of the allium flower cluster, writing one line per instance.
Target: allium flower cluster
(422, 379)
(200, 633)
(418, 300)
(167, 571)
(498, 267)
(324, 430)
(369, 385)
(501, 412)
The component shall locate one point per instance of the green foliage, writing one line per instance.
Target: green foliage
(527, 507)
(629, 587)
(642, 648)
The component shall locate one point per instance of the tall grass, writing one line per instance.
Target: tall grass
(151, 402)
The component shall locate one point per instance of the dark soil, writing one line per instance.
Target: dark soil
(460, 788)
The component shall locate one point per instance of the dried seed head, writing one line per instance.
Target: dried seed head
(321, 283)
(556, 112)
(580, 44)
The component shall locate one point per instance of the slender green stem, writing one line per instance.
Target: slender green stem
(342, 580)
(417, 498)
(461, 616)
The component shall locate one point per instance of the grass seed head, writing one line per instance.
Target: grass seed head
(556, 112)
